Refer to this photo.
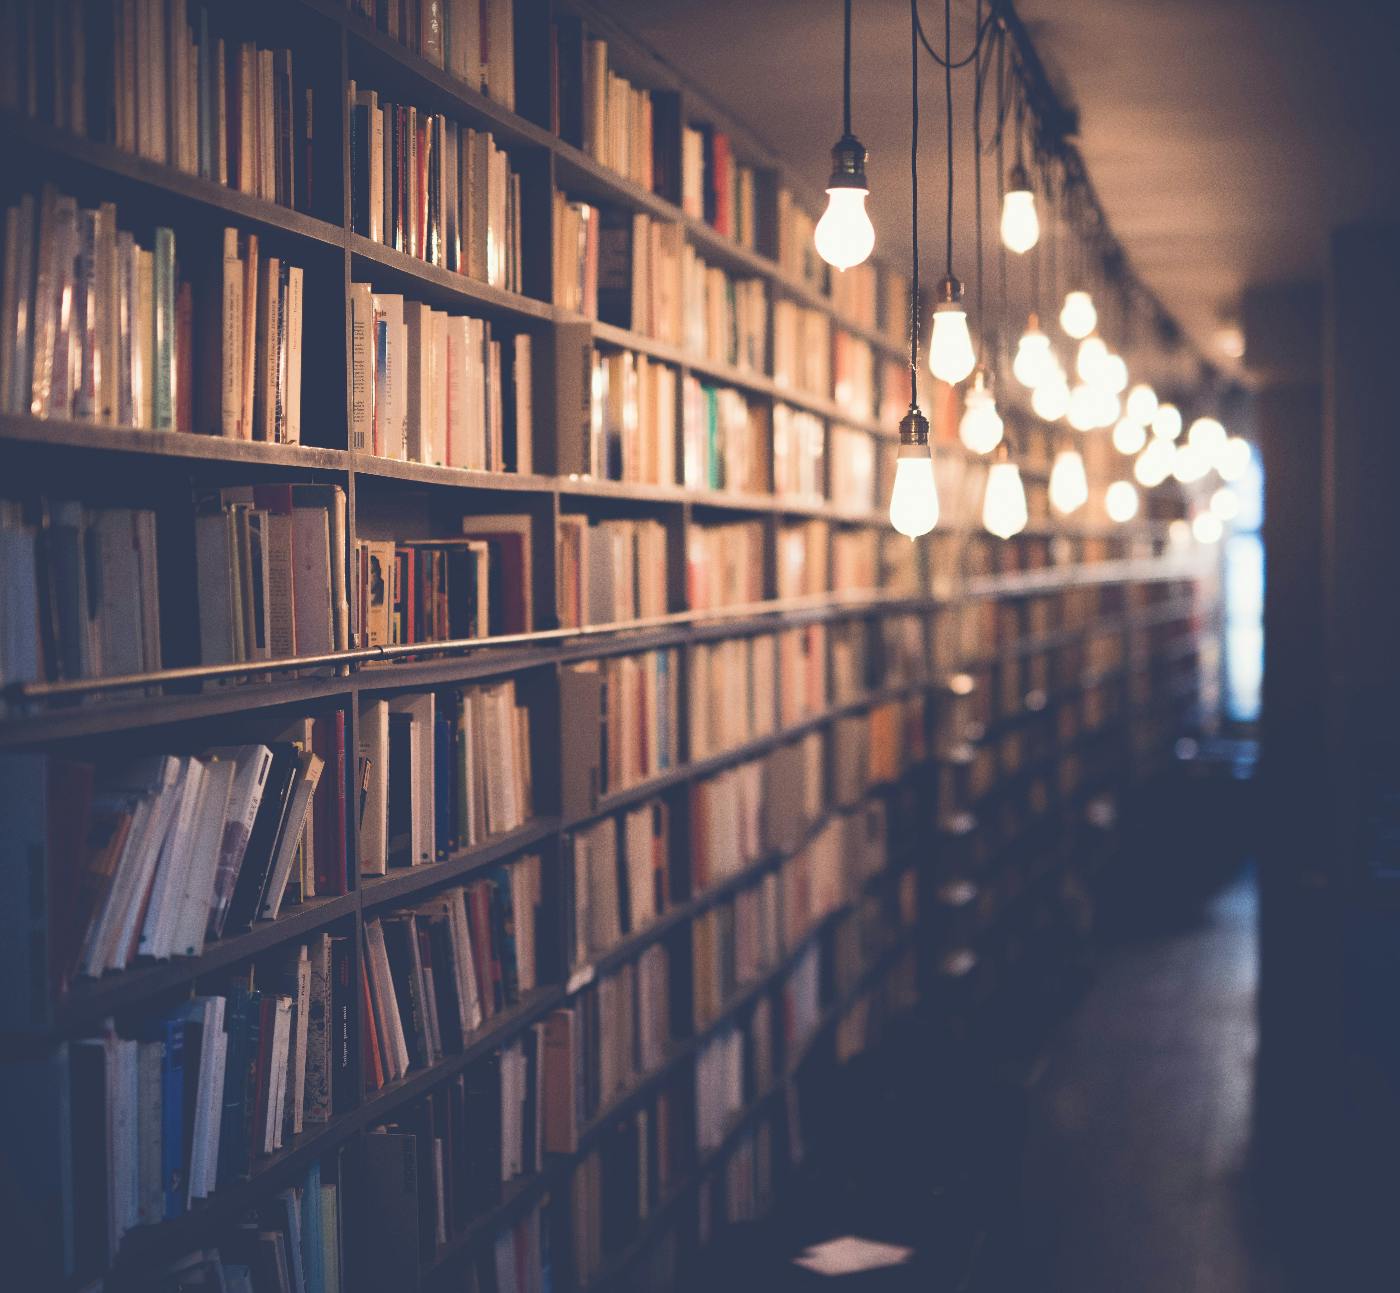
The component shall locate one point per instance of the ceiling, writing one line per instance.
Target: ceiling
(1225, 138)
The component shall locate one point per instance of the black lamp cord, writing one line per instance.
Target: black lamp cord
(846, 77)
(914, 202)
(976, 178)
(948, 105)
(1003, 324)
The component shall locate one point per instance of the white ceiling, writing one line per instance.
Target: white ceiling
(1225, 137)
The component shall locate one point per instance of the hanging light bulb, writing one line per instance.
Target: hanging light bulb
(1225, 503)
(1154, 464)
(1050, 399)
(1032, 355)
(1166, 421)
(1142, 403)
(1004, 503)
(1113, 374)
(1189, 464)
(1078, 316)
(1207, 527)
(1209, 438)
(914, 499)
(950, 353)
(1020, 226)
(981, 427)
(1089, 359)
(1083, 409)
(1069, 487)
(1120, 501)
(844, 235)
(1129, 435)
(1234, 459)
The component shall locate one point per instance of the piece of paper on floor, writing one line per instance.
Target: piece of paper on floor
(849, 1254)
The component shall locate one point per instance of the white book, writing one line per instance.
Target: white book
(362, 389)
(422, 841)
(218, 1066)
(125, 1163)
(458, 392)
(308, 777)
(205, 849)
(374, 826)
(208, 1012)
(167, 884)
(468, 996)
(277, 1075)
(292, 392)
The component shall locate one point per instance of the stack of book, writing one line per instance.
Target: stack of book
(616, 116)
(166, 852)
(855, 560)
(441, 772)
(725, 439)
(160, 1117)
(724, 565)
(799, 455)
(852, 471)
(620, 725)
(802, 349)
(732, 944)
(717, 188)
(726, 317)
(433, 189)
(432, 387)
(433, 974)
(149, 77)
(444, 590)
(610, 571)
(797, 250)
(270, 574)
(731, 693)
(726, 824)
(802, 558)
(471, 40)
(622, 878)
(82, 594)
(854, 363)
(802, 673)
(612, 1033)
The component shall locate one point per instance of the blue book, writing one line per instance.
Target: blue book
(172, 1123)
(313, 1257)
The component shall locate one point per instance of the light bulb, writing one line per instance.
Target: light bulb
(1209, 437)
(1050, 399)
(1113, 374)
(950, 354)
(1129, 435)
(1179, 533)
(1120, 501)
(1225, 503)
(1206, 527)
(914, 499)
(1189, 463)
(1166, 421)
(1069, 487)
(1234, 459)
(1004, 503)
(1088, 361)
(1142, 403)
(1154, 464)
(981, 427)
(1082, 408)
(844, 235)
(1020, 226)
(1032, 360)
(1078, 316)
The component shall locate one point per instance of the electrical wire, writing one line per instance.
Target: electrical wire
(914, 202)
(948, 106)
(846, 79)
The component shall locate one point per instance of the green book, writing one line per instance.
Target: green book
(163, 339)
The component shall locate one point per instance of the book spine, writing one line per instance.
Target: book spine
(163, 338)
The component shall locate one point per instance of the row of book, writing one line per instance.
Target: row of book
(622, 879)
(434, 974)
(97, 328)
(159, 1117)
(731, 945)
(442, 772)
(724, 439)
(853, 373)
(619, 723)
(726, 316)
(432, 387)
(732, 685)
(716, 187)
(799, 455)
(724, 564)
(853, 469)
(435, 190)
(802, 348)
(157, 78)
(629, 429)
(797, 248)
(161, 854)
(802, 558)
(269, 572)
(82, 591)
(471, 40)
(442, 590)
(610, 571)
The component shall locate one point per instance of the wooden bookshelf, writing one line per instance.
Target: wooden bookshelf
(1137, 702)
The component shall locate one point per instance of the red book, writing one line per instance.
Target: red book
(724, 185)
(374, 1069)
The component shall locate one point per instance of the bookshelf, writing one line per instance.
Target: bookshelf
(999, 695)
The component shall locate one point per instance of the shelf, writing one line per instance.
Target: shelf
(373, 259)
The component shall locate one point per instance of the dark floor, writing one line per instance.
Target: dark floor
(1136, 1161)
(1115, 1160)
